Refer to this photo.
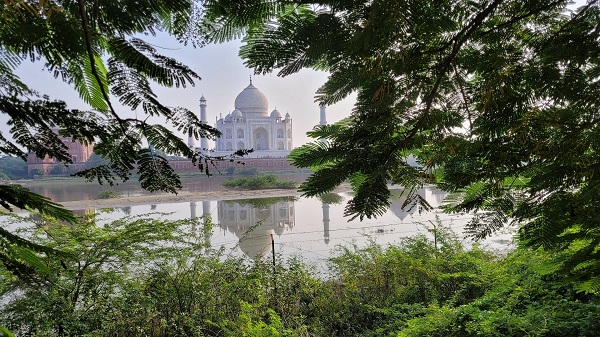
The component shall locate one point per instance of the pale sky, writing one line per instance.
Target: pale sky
(223, 77)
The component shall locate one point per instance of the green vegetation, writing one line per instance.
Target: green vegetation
(268, 181)
(13, 167)
(109, 194)
(248, 172)
(141, 276)
(231, 170)
(484, 91)
(98, 49)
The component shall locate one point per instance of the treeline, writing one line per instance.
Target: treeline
(13, 168)
(148, 277)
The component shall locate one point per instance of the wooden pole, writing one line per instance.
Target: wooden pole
(274, 270)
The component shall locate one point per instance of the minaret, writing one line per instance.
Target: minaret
(191, 143)
(323, 120)
(323, 115)
(326, 222)
(203, 119)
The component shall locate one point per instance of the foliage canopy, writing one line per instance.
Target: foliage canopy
(501, 96)
(95, 47)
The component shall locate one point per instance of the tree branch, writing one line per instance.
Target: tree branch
(459, 41)
(90, 52)
(524, 16)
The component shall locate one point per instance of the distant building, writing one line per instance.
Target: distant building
(251, 126)
(79, 152)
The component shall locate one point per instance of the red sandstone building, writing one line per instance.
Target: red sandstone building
(80, 154)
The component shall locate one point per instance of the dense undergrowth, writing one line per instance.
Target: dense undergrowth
(142, 276)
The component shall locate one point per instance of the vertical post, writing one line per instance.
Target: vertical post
(274, 270)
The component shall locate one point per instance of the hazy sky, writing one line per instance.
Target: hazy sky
(223, 77)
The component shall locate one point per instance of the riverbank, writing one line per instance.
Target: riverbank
(184, 196)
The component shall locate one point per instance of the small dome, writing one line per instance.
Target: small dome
(276, 114)
(287, 116)
(252, 101)
(236, 113)
(228, 117)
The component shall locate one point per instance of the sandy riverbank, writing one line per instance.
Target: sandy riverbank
(160, 198)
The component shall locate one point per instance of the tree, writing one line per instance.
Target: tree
(95, 47)
(58, 170)
(80, 292)
(497, 96)
(13, 167)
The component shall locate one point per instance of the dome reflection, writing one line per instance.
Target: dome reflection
(253, 221)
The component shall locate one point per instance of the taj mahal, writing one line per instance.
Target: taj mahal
(249, 126)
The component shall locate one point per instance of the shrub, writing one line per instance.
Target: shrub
(268, 181)
(230, 170)
(249, 172)
(109, 194)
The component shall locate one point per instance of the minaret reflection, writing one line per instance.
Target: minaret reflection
(193, 209)
(205, 215)
(326, 222)
(206, 208)
(254, 220)
(327, 200)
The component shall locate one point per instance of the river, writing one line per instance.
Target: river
(309, 227)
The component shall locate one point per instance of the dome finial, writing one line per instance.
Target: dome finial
(250, 78)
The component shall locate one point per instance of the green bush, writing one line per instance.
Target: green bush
(249, 172)
(109, 194)
(269, 181)
(230, 170)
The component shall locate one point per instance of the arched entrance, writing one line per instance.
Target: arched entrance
(260, 136)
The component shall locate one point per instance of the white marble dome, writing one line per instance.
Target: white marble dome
(251, 125)
(252, 101)
(275, 114)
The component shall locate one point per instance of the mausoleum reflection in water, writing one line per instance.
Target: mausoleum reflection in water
(253, 221)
